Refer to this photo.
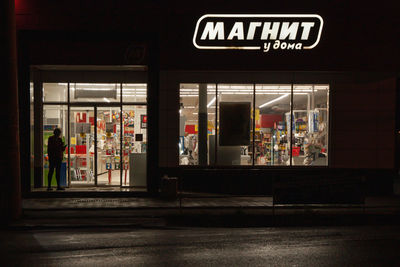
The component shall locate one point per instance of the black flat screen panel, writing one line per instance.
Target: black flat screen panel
(234, 123)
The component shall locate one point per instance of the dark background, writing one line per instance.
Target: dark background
(356, 35)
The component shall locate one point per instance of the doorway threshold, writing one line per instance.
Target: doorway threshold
(92, 191)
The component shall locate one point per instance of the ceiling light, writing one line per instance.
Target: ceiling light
(211, 102)
(272, 101)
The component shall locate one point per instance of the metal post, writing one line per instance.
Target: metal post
(216, 125)
(202, 118)
(69, 137)
(38, 132)
(291, 123)
(254, 124)
(95, 145)
(121, 137)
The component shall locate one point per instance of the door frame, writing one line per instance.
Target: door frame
(95, 105)
(40, 76)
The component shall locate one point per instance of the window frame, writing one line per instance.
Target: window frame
(293, 82)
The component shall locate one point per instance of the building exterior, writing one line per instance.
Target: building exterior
(227, 97)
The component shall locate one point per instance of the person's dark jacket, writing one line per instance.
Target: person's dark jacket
(55, 148)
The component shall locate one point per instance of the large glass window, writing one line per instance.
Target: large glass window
(103, 148)
(134, 92)
(255, 124)
(235, 124)
(197, 108)
(55, 92)
(134, 145)
(108, 145)
(272, 124)
(310, 125)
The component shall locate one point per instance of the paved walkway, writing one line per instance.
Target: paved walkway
(186, 202)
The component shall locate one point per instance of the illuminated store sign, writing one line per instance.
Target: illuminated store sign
(258, 32)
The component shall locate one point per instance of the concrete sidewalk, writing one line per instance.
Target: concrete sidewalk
(199, 210)
(190, 201)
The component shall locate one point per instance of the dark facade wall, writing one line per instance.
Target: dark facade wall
(363, 124)
(356, 36)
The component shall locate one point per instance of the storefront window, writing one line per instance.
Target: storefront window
(287, 125)
(134, 145)
(133, 92)
(272, 135)
(55, 92)
(197, 124)
(95, 92)
(235, 124)
(108, 145)
(310, 125)
(103, 125)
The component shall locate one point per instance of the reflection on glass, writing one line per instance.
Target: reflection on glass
(95, 92)
(108, 146)
(55, 92)
(82, 145)
(272, 116)
(54, 116)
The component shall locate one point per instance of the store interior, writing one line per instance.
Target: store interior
(279, 138)
(103, 141)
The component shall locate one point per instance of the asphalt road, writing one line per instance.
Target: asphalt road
(187, 246)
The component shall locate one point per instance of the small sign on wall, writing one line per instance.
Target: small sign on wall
(143, 121)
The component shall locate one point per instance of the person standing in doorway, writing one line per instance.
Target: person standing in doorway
(55, 150)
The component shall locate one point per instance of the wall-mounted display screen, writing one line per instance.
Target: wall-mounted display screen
(234, 123)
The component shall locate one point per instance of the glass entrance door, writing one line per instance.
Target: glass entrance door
(106, 149)
(81, 146)
(108, 146)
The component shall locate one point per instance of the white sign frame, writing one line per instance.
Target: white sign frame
(254, 16)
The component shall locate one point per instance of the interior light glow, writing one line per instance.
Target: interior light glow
(273, 101)
(95, 89)
(134, 89)
(96, 84)
(133, 84)
(106, 100)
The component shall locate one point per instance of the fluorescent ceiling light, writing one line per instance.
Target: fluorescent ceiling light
(272, 101)
(211, 102)
(95, 89)
(133, 89)
(96, 84)
(134, 84)
(106, 100)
